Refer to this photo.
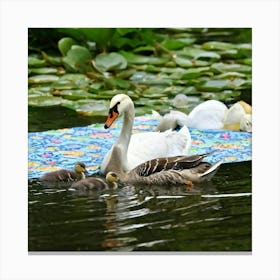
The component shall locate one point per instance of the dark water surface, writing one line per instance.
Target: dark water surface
(215, 216)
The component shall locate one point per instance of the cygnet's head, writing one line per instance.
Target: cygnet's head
(112, 177)
(119, 103)
(80, 167)
(246, 123)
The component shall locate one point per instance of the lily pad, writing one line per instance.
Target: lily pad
(231, 75)
(76, 80)
(187, 41)
(217, 46)
(94, 88)
(194, 72)
(89, 107)
(75, 94)
(78, 59)
(173, 44)
(71, 81)
(108, 94)
(42, 79)
(125, 74)
(113, 83)
(111, 61)
(183, 62)
(219, 85)
(245, 61)
(44, 101)
(196, 53)
(159, 81)
(234, 67)
(65, 44)
(36, 62)
(53, 60)
(42, 71)
(141, 59)
(187, 63)
(39, 91)
(145, 49)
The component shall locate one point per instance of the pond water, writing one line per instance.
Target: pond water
(215, 216)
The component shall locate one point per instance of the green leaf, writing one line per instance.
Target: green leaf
(145, 49)
(65, 44)
(124, 31)
(45, 70)
(194, 72)
(183, 62)
(53, 60)
(102, 36)
(75, 94)
(196, 53)
(173, 44)
(44, 101)
(113, 83)
(78, 58)
(141, 59)
(234, 67)
(219, 85)
(94, 88)
(217, 46)
(111, 61)
(126, 74)
(36, 62)
(42, 79)
(71, 81)
(231, 75)
(88, 107)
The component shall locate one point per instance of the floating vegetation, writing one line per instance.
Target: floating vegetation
(82, 68)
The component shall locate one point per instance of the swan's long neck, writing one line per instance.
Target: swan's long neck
(126, 131)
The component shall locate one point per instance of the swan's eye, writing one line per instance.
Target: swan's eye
(114, 109)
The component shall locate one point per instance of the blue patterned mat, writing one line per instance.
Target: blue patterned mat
(55, 149)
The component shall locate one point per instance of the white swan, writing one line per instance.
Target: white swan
(206, 115)
(140, 147)
(211, 114)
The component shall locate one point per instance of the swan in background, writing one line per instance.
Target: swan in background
(211, 114)
(206, 115)
(179, 170)
(140, 147)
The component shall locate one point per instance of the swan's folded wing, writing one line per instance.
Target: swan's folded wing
(150, 145)
(169, 163)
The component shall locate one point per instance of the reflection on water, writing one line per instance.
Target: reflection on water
(211, 217)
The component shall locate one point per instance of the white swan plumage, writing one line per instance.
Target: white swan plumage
(210, 114)
(206, 115)
(140, 147)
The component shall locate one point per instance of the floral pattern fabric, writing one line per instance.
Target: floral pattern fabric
(54, 149)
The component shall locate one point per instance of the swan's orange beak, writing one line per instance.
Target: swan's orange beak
(110, 119)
